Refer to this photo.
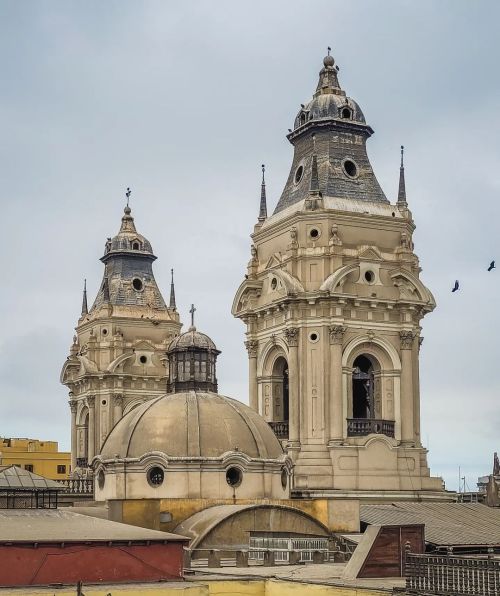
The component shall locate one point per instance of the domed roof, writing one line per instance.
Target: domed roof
(128, 239)
(330, 106)
(192, 338)
(192, 424)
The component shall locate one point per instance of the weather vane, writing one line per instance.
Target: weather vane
(329, 50)
(127, 194)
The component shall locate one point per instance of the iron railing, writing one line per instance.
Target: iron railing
(447, 574)
(360, 427)
(280, 429)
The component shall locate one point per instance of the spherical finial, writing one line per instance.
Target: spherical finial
(328, 60)
(127, 210)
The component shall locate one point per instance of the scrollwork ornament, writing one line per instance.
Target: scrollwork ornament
(291, 336)
(406, 338)
(337, 334)
(251, 345)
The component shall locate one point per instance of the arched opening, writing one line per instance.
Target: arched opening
(363, 383)
(280, 398)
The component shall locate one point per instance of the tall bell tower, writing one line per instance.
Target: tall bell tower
(118, 357)
(332, 303)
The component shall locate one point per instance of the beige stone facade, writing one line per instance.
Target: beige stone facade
(333, 303)
(118, 357)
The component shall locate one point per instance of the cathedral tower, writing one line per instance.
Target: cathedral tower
(118, 357)
(332, 302)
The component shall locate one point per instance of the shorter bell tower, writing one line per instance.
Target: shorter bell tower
(118, 356)
(333, 303)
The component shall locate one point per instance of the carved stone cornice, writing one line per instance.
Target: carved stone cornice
(72, 406)
(406, 338)
(337, 334)
(251, 345)
(291, 336)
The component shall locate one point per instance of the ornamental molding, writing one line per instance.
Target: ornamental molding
(90, 401)
(291, 336)
(337, 334)
(407, 338)
(252, 345)
(73, 406)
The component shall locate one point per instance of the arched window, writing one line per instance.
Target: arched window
(135, 245)
(363, 381)
(346, 113)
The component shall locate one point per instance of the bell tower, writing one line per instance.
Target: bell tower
(118, 357)
(332, 303)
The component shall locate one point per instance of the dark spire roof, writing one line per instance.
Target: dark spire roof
(263, 199)
(402, 187)
(85, 308)
(172, 304)
(105, 290)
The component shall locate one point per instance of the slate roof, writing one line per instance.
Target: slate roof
(16, 478)
(446, 524)
(58, 525)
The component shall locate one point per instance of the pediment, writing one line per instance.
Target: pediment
(370, 253)
(275, 260)
(144, 345)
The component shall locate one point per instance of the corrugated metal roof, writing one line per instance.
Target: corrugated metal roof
(446, 524)
(16, 478)
(58, 525)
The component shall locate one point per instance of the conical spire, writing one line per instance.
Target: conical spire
(328, 80)
(402, 188)
(263, 199)
(85, 308)
(314, 187)
(172, 304)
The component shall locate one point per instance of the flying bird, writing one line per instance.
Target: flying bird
(456, 286)
(492, 266)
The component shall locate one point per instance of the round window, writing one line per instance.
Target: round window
(274, 283)
(350, 168)
(298, 174)
(284, 478)
(101, 479)
(314, 337)
(105, 332)
(156, 476)
(314, 234)
(234, 476)
(143, 359)
(104, 402)
(369, 276)
(137, 283)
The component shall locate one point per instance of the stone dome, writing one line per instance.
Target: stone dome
(329, 105)
(192, 424)
(128, 239)
(192, 338)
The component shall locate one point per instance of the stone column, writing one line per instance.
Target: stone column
(91, 433)
(292, 339)
(117, 407)
(251, 346)
(74, 440)
(407, 428)
(337, 414)
(416, 388)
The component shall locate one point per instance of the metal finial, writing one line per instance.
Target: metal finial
(402, 154)
(402, 186)
(263, 172)
(85, 308)
(192, 310)
(127, 194)
(329, 50)
(172, 304)
(263, 199)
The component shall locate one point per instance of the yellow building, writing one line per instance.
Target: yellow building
(41, 457)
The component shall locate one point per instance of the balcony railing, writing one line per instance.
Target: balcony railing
(78, 486)
(360, 427)
(280, 429)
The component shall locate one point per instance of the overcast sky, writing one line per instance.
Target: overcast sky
(182, 101)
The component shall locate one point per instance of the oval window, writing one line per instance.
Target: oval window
(143, 359)
(156, 476)
(234, 476)
(137, 283)
(274, 283)
(314, 234)
(350, 168)
(284, 478)
(101, 479)
(369, 276)
(298, 174)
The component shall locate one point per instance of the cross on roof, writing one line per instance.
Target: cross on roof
(127, 194)
(192, 310)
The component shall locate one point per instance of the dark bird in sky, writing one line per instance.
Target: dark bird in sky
(492, 266)
(456, 286)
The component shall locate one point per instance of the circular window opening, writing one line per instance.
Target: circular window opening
(137, 283)
(101, 479)
(234, 477)
(346, 113)
(314, 233)
(298, 174)
(156, 476)
(274, 283)
(104, 402)
(314, 337)
(105, 332)
(284, 478)
(143, 359)
(369, 276)
(350, 168)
